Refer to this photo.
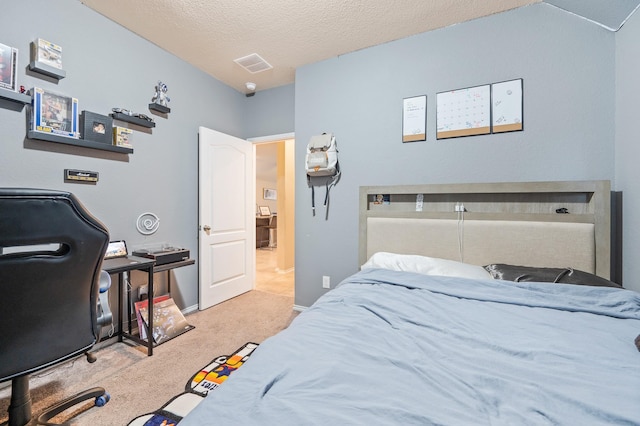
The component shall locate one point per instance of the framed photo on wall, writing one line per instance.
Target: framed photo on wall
(269, 194)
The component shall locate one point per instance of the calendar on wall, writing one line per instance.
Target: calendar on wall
(464, 112)
(507, 106)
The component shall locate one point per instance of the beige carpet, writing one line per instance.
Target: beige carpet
(139, 384)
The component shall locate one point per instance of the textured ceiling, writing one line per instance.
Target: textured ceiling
(210, 34)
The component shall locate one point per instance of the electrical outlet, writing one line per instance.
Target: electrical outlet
(143, 292)
(326, 281)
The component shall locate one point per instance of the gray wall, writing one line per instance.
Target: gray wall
(269, 112)
(576, 74)
(628, 144)
(568, 67)
(108, 66)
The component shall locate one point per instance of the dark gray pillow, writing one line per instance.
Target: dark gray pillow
(501, 271)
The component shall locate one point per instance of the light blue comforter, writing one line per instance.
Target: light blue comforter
(397, 348)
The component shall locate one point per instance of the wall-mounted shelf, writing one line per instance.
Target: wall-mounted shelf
(47, 70)
(78, 142)
(131, 119)
(159, 108)
(19, 98)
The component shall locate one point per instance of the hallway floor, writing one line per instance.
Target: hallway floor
(268, 279)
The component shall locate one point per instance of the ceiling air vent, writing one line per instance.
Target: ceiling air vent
(253, 63)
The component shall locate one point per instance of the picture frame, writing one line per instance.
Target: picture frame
(269, 194)
(96, 127)
(265, 211)
(414, 119)
(54, 113)
(8, 67)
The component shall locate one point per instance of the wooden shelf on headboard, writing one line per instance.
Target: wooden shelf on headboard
(585, 202)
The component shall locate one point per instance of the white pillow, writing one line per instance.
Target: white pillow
(425, 265)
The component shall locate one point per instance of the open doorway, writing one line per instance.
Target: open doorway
(275, 211)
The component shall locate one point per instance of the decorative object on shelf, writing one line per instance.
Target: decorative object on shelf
(8, 67)
(147, 223)
(132, 114)
(382, 199)
(46, 59)
(96, 127)
(54, 113)
(132, 117)
(121, 136)
(20, 99)
(47, 53)
(160, 97)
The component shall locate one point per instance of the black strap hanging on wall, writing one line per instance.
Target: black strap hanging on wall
(328, 182)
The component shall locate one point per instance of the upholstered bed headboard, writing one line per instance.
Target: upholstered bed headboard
(543, 224)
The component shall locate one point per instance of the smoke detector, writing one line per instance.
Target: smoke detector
(251, 89)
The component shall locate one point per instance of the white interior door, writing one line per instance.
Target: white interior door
(226, 217)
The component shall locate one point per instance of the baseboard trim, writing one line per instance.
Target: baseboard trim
(299, 308)
(190, 309)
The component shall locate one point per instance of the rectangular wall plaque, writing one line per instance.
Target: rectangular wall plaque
(80, 175)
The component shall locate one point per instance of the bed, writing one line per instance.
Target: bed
(443, 325)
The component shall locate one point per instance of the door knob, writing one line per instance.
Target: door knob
(206, 228)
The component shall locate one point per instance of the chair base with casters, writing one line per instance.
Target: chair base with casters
(100, 396)
(20, 408)
(20, 411)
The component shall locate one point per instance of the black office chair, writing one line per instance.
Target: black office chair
(51, 251)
